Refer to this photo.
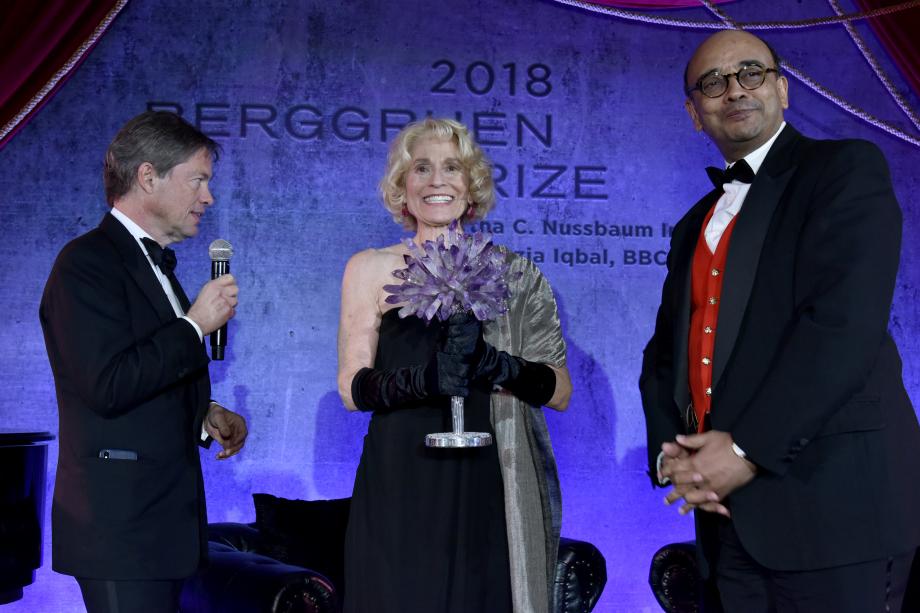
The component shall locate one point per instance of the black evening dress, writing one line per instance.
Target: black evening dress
(426, 532)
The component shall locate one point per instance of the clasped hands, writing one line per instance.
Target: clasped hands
(704, 470)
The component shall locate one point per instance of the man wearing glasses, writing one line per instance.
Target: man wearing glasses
(772, 390)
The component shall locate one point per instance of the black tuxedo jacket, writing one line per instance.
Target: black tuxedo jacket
(131, 376)
(806, 377)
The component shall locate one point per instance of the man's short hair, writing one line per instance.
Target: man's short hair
(162, 138)
(773, 54)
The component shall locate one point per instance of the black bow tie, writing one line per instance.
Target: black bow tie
(739, 171)
(164, 258)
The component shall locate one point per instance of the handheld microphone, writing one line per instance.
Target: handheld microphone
(220, 252)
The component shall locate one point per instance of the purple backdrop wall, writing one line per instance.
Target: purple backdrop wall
(583, 116)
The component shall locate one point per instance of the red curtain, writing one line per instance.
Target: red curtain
(41, 44)
(899, 34)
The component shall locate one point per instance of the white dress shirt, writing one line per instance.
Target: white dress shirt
(138, 233)
(729, 204)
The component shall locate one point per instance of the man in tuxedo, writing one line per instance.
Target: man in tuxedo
(772, 390)
(131, 375)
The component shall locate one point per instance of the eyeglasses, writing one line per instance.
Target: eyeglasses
(714, 84)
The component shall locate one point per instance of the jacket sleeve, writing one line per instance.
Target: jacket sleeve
(93, 340)
(656, 381)
(845, 268)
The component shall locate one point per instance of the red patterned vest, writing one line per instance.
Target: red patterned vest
(706, 292)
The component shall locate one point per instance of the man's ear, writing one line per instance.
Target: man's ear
(146, 173)
(782, 85)
(691, 110)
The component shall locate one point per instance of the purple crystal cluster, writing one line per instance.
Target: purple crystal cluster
(458, 272)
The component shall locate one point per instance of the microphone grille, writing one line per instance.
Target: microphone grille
(220, 251)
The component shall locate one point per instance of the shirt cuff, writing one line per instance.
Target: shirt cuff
(194, 325)
(739, 451)
(658, 463)
(204, 433)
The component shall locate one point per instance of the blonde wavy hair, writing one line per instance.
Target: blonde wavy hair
(477, 166)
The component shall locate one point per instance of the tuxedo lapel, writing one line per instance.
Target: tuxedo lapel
(137, 267)
(180, 293)
(747, 243)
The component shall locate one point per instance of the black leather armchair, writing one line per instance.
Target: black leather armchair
(581, 573)
(240, 577)
(675, 580)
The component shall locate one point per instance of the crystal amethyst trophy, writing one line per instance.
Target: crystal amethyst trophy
(459, 272)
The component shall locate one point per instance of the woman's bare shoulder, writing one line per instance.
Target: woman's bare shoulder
(371, 269)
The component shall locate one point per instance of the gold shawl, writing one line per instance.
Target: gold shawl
(533, 505)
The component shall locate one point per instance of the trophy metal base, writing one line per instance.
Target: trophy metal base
(461, 440)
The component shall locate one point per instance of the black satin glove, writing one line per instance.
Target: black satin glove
(463, 336)
(450, 371)
(447, 373)
(378, 389)
(532, 382)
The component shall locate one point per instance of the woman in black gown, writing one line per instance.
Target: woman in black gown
(429, 528)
